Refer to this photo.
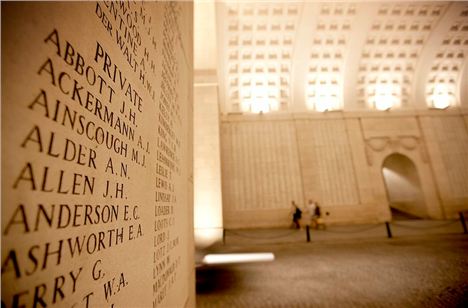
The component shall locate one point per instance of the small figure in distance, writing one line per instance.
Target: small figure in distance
(317, 220)
(310, 211)
(297, 214)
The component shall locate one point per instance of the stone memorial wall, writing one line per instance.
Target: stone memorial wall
(97, 154)
(337, 159)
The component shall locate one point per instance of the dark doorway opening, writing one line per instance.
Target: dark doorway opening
(403, 187)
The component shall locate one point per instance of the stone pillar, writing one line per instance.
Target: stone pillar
(207, 165)
(97, 154)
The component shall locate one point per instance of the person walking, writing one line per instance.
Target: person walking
(317, 217)
(297, 214)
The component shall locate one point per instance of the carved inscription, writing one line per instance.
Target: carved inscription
(94, 140)
(94, 165)
(126, 25)
(167, 169)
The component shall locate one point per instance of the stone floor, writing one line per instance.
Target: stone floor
(425, 265)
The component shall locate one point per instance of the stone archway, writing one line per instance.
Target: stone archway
(403, 187)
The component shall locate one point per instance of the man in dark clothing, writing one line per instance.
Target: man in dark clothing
(317, 218)
(297, 214)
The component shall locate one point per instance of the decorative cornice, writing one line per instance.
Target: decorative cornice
(394, 144)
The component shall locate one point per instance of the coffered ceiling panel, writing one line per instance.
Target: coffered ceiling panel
(319, 56)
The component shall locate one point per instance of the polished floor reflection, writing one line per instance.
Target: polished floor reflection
(406, 271)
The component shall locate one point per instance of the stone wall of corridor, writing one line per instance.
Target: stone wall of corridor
(336, 158)
(97, 154)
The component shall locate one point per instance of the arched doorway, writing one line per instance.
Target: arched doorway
(403, 187)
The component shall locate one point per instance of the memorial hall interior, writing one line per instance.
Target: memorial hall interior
(139, 136)
(361, 107)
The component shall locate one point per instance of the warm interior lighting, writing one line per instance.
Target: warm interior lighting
(238, 258)
(441, 97)
(274, 104)
(260, 99)
(385, 96)
(326, 102)
(393, 176)
(259, 106)
(384, 101)
(323, 97)
(205, 237)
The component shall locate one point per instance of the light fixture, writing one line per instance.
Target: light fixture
(441, 97)
(259, 105)
(323, 96)
(383, 101)
(238, 258)
(386, 96)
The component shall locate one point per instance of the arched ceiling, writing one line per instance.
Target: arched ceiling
(300, 56)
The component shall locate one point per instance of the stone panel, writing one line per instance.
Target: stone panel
(259, 165)
(207, 160)
(96, 154)
(339, 164)
(452, 140)
(327, 162)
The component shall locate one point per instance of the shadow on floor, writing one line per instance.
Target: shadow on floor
(399, 215)
(211, 279)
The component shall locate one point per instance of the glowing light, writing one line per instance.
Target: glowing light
(441, 97)
(323, 97)
(260, 99)
(238, 258)
(386, 96)
(245, 105)
(394, 176)
(259, 105)
(384, 102)
(205, 237)
(274, 104)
